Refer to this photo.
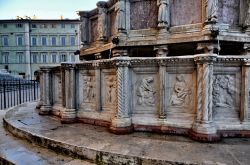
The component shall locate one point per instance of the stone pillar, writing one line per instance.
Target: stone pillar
(121, 123)
(69, 112)
(203, 129)
(163, 14)
(245, 91)
(46, 92)
(98, 88)
(102, 26)
(162, 51)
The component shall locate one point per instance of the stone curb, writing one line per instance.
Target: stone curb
(82, 152)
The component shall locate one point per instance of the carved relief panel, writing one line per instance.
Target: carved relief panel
(141, 11)
(226, 94)
(145, 91)
(108, 90)
(87, 90)
(181, 93)
(185, 12)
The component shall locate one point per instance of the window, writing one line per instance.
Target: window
(62, 25)
(72, 41)
(20, 40)
(20, 57)
(5, 41)
(63, 58)
(53, 41)
(63, 40)
(5, 25)
(44, 26)
(34, 41)
(5, 57)
(35, 58)
(53, 25)
(44, 41)
(19, 25)
(54, 58)
(44, 58)
(72, 25)
(33, 26)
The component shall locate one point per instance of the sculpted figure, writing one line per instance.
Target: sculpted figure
(163, 13)
(212, 10)
(88, 89)
(121, 17)
(146, 92)
(111, 90)
(181, 93)
(223, 91)
(102, 21)
(247, 18)
(84, 28)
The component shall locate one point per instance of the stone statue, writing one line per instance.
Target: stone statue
(88, 89)
(223, 91)
(181, 92)
(163, 13)
(247, 17)
(146, 92)
(111, 90)
(102, 21)
(121, 16)
(212, 10)
(84, 28)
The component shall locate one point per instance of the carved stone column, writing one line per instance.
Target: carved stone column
(121, 123)
(163, 14)
(203, 128)
(98, 88)
(162, 51)
(46, 92)
(246, 22)
(245, 91)
(69, 113)
(102, 26)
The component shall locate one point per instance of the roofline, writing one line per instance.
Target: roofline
(38, 20)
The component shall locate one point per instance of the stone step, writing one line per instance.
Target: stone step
(20, 152)
(101, 147)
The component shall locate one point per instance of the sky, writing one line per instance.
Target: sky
(44, 9)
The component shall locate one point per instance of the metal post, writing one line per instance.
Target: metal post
(19, 88)
(4, 94)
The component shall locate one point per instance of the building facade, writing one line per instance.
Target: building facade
(27, 44)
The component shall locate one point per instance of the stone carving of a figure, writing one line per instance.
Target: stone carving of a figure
(181, 92)
(163, 13)
(146, 92)
(111, 90)
(212, 10)
(223, 91)
(102, 22)
(121, 17)
(84, 27)
(247, 17)
(88, 89)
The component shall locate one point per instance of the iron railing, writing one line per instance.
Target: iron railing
(17, 91)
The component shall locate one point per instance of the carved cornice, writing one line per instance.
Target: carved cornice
(68, 65)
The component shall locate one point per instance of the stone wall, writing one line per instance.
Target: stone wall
(205, 94)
